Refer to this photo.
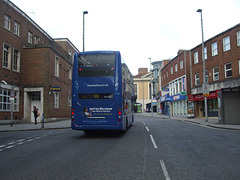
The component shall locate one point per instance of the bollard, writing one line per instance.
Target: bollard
(42, 120)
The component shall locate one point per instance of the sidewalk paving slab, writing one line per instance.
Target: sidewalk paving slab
(63, 124)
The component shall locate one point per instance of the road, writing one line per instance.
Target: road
(153, 148)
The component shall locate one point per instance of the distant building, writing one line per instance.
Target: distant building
(37, 68)
(142, 87)
(175, 82)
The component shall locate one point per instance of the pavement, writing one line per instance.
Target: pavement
(212, 121)
(64, 124)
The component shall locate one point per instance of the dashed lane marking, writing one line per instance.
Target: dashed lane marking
(25, 140)
(154, 143)
(164, 169)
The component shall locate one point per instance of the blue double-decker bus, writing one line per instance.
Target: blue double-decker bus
(102, 92)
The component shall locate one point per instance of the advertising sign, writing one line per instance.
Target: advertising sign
(97, 111)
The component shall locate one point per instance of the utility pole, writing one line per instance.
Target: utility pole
(205, 86)
(84, 12)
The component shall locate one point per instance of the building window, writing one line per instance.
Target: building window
(150, 90)
(205, 53)
(228, 70)
(195, 57)
(70, 54)
(214, 49)
(181, 64)
(56, 100)
(16, 60)
(206, 76)
(70, 73)
(197, 79)
(226, 44)
(16, 28)
(176, 67)
(7, 22)
(171, 70)
(238, 38)
(35, 40)
(239, 66)
(215, 74)
(6, 56)
(69, 101)
(56, 66)
(180, 85)
(5, 103)
(167, 73)
(176, 86)
(30, 37)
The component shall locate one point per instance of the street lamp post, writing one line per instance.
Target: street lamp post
(151, 87)
(204, 70)
(84, 12)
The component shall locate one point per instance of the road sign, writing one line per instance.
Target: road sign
(206, 89)
(12, 94)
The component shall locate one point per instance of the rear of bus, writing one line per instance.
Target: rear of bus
(97, 91)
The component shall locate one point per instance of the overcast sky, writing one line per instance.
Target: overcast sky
(139, 29)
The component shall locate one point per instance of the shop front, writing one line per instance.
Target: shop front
(164, 105)
(212, 104)
(179, 105)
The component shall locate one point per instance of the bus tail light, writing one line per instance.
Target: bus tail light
(73, 115)
(119, 115)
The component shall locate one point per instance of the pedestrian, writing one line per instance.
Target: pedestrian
(35, 113)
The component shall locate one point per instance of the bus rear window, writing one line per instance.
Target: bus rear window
(95, 96)
(98, 65)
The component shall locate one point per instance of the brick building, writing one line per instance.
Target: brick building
(222, 64)
(182, 79)
(156, 82)
(175, 77)
(35, 67)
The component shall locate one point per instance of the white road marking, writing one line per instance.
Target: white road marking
(11, 143)
(165, 172)
(20, 140)
(147, 128)
(8, 147)
(144, 123)
(37, 137)
(20, 143)
(2, 146)
(154, 144)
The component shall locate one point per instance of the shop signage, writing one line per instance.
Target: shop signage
(165, 89)
(56, 89)
(177, 97)
(183, 93)
(164, 98)
(200, 97)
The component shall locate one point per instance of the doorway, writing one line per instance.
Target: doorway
(36, 101)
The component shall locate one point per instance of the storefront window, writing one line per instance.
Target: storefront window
(213, 107)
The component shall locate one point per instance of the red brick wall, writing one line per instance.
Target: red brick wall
(184, 55)
(233, 56)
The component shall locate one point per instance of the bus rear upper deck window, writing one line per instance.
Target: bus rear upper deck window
(96, 65)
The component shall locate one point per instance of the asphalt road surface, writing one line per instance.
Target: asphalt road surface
(153, 148)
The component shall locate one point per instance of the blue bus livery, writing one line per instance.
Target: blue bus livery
(102, 92)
